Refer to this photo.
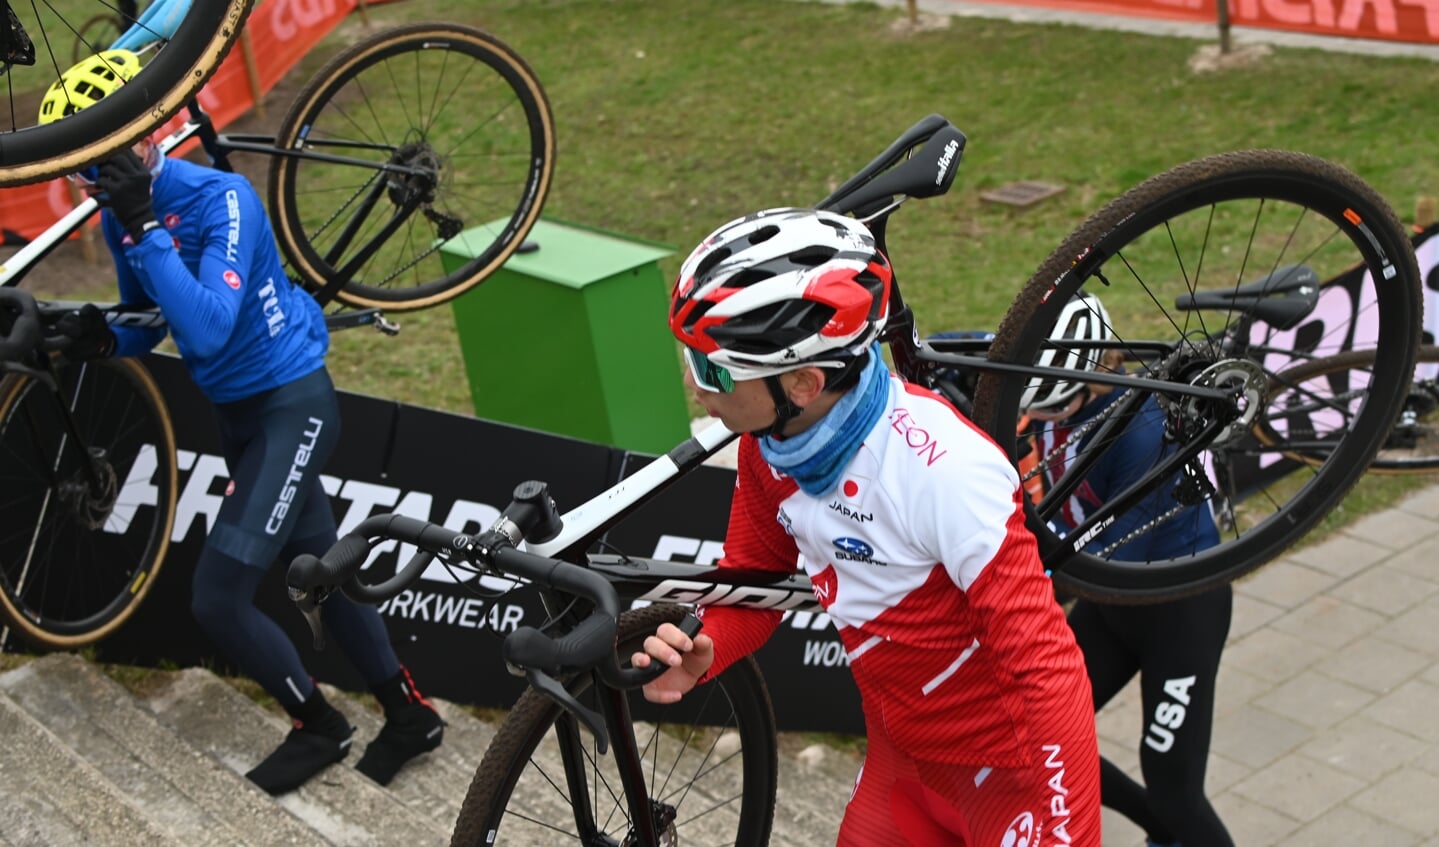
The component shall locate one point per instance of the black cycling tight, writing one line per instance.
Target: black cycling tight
(1175, 648)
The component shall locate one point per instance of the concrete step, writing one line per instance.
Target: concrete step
(340, 804)
(170, 782)
(54, 798)
(815, 781)
(433, 783)
(83, 761)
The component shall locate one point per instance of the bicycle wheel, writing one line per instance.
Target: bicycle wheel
(1168, 259)
(710, 766)
(1312, 403)
(468, 120)
(174, 69)
(97, 34)
(88, 512)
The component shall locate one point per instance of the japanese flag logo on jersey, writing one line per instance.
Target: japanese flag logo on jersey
(232, 279)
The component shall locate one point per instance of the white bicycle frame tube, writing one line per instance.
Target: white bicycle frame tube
(72, 220)
(587, 517)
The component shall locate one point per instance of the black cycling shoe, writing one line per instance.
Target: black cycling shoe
(409, 731)
(306, 751)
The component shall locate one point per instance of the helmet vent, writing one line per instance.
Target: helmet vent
(708, 262)
(746, 278)
(764, 233)
(811, 257)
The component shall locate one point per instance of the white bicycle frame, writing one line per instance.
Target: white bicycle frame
(41, 245)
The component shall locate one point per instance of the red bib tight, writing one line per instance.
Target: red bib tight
(900, 800)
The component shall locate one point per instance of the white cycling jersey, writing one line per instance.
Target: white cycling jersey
(921, 557)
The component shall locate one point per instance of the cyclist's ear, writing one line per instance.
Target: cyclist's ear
(1111, 361)
(803, 385)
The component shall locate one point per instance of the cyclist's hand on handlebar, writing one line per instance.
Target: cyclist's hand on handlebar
(688, 660)
(89, 333)
(125, 181)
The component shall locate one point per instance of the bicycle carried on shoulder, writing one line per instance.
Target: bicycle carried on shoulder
(410, 167)
(1195, 265)
(384, 196)
(187, 41)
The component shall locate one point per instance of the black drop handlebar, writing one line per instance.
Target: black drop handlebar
(20, 333)
(27, 335)
(589, 646)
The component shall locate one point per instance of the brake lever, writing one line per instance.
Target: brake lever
(308, 602)
(551, 688)
(44, 375)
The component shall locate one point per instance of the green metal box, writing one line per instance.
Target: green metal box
(571, 338)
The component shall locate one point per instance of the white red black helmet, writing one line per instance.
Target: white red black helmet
(782, 289)
(1083, 319)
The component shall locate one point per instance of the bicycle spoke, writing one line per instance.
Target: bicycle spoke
(1247, 270)
(474, 170)
(707, 775)
(96, 506)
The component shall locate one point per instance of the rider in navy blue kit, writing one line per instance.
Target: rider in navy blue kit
(1175, 646)
(196, 243)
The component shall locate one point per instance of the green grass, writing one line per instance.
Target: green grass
(674, 117)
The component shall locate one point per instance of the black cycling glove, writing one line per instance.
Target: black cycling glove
(126, 183)
(89, 333)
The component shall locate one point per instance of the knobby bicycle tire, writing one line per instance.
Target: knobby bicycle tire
(1213, 224)
(1325, 392)
(720, 794)
(77, 557)
(478, 133)
(169, 78)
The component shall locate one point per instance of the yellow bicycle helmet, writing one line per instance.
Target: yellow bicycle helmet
(88, 82)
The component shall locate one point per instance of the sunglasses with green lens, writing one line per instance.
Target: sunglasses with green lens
(707, 374)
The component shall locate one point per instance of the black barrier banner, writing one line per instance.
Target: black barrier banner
(460, 472)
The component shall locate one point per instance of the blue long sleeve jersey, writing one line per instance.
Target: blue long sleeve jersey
(213, 269)
(1140, 447)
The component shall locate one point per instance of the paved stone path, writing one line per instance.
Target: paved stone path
(1325, 732)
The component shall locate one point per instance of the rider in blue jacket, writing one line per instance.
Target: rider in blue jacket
(197, 243)
(1175, 646)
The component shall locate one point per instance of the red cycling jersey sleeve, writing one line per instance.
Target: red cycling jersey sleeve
(754, 540)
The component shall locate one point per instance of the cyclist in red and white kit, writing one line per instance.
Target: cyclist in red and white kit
(908, 520)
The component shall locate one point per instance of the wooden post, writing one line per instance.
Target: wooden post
(1222, 7)
(252, 74)
(913, 12)
(364, 8)
(1425, 211)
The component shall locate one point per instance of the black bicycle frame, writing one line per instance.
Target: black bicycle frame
(218, 146)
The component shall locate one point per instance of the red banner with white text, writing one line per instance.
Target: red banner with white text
(278, 33)
(1414, 21)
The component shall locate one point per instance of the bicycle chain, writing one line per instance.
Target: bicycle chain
(1075, 435)
(343, 206)
(1192, 489)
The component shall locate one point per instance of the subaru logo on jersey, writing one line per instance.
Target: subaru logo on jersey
(232, 279)
(848, 549)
